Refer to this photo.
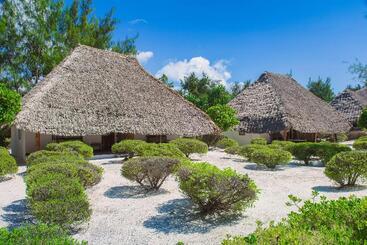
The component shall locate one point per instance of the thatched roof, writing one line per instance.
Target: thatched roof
(277, 102)
(96, 92)
(350, 103)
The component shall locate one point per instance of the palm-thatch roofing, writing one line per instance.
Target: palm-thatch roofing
(277, 102)
(96, 92)
(350, 103)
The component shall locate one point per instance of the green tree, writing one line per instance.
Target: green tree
(362, 121)
(35, 35)
(166, 81)
(224, 116)
(360, 71)
(321, 88)
(127, 46)
(237, 87)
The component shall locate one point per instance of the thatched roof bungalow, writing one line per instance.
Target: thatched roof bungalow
(277, 105)
(101, 97)
(350, 104)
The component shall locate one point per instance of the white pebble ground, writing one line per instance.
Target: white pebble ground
(122, 214)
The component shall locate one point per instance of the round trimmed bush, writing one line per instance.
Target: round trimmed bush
(89, 174)
(128, 147)
(346, 168)
(233, 150)
(8, 164)
(149, 172)
(305, 151)
(53, 157)
(327, 150)
(270, 157)
(37, 234)
(189, 146)
(360, 143)
(247, 150)
(160, 150)
(72, 146)
(259, 141)
(283, 145)
(226, 142)
(213, 190)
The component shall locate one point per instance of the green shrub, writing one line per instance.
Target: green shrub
(72, 146)
(214, 190)
(327, 150)
(305, 151)
(259, 141)
(362, 121)
(149, 172)
(283, 145)
(342, 137)
(339, 221)
(226, 142)
(247, 150)
(53, 157)
(233, 150)
(270, 157)
(189, 146)
(346, 168)
(37, 234)
(128, 147)
(8, 164)
(360, 143)
(89, 174)
(160, 150)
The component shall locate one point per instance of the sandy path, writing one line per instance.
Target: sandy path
(13, 210)
(122, 215)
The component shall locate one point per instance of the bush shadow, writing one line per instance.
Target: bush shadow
(338, 189)
(134, 191)
(111, 162)
(255, 167)
(17, 214)
(179, 216)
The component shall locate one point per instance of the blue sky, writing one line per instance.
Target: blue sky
(241, 39)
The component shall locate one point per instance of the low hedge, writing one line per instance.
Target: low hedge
(226, 142)
(247, 150)
(127, 147)
(283, 145)
(72, 146)
(233, 150)
(259, 141)
(213, 190)
(53, 157)
(340, 221)
(346, 168)
(327, 150)
(270, 157)
(8, 164)
(89, 174)
(160, 150)
(189, 146)
(360, 143)
(34, 172)
(37, 234)
(149, 172)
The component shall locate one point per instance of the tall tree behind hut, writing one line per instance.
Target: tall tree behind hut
(238, 87)
(35, 35)
(321, 88)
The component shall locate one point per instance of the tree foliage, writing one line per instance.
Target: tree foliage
(321, 88)
(10, 104)
(238, 87)
(362, 121)
(360, 71)
(35, 35)
(224, 116)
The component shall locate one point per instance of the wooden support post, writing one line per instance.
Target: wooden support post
(38, 141)
(285, 134)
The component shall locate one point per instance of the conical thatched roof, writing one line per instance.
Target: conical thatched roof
(350, 104)
(96, 92)
(277, 102)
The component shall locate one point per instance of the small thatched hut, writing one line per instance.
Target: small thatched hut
(102, 97)
(350, 104)
(280, 107)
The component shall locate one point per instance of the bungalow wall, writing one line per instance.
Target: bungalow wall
(244, 139)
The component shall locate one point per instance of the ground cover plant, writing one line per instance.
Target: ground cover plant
(128, 147)
(270, 157)
(346, 168)
(149, 172)
(226, 142)
(360, 143)
(8, 164)
(259, 141)
(72, 146)
(37, 234)
(189, 146)
(340, 221)
(216, 191)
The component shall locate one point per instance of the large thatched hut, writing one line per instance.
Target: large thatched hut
(278, 106)
(350, 104)
(102, 97)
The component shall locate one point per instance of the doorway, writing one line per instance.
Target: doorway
(107, 142)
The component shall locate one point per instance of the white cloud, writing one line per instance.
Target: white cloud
(178, 70)
(138, 21)
(144, 56)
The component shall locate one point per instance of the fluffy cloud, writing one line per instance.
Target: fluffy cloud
(144, 56)
(198, 65)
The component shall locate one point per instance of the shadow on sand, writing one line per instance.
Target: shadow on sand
(113, 162)
(337, 189)
(17, 214)
(179, 216)
(134, 191)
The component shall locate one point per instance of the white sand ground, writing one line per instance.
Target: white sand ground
(122, 214)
